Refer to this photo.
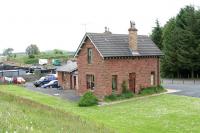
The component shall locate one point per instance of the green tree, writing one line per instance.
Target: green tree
(181, 43)
(156, 35)
(8, 52)
(169, 63)
(188, 21)
(57, 51)
(32, 50)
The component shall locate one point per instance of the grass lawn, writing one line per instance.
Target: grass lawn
(24, 116)
(159, 114)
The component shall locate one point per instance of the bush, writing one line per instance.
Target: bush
(31, 61)
(111, 97)
(31, 56)
(151, 90)
(127, 94)
(114, 97)
(88, 99)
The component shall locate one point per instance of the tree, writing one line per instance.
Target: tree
(8, 52)
(156, 35)
(188, 21)
(57, 51)
(169, 63)
(181, 44)
(32, 50)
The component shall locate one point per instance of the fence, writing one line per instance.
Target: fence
(180, 81)
(12, 73)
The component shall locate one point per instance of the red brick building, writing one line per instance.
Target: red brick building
(67, 75)
(105, 60)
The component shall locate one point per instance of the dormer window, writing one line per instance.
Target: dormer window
(89, 55)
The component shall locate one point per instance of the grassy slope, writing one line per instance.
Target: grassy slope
(164, 113)
(22, 116)
(24, 59)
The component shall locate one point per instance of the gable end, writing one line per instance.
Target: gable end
(83, 42)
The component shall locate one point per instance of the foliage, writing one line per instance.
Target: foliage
(124, 86)
(8, 52)
(31, 56)
(156, 35)
(32, 50)
(150, 112)
(181, 44)
(57, 51)
(127, 94)
(88, 99)
(113, 97)
(31, 60)
(151, 90)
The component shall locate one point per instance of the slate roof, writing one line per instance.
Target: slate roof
(69, 67)
(116, 45)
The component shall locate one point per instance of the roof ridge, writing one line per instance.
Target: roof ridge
(111, 34)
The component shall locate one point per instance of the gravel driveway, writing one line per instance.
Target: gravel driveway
(64, 94)
(192, 90)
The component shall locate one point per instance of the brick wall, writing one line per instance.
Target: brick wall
(64, 80)
(104, 69)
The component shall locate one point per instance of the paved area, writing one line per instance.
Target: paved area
(64, 94)
(192, 90)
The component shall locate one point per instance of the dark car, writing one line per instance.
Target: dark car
(52, 84)
(44, 80)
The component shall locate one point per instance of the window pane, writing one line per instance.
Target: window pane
(89, 55)
(114, 82)
(90, 82)
(152, 78)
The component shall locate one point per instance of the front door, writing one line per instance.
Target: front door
(132, 77)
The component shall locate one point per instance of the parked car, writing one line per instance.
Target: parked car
(44, 80)
(18, 80)
(53, 84)
(8, 80)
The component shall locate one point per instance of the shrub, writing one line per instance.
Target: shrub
(114, 97)
(31, 61)
(124, 87)
(151, 90)
(88, 99)
(31, 56)
(111, 97)
(127, 94)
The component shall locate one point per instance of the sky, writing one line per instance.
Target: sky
(61, 24)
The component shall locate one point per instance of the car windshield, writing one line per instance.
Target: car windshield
(51, 82)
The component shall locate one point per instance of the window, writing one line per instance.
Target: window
(152, 78)
(90, 82)
(89, 56)
(114, 82)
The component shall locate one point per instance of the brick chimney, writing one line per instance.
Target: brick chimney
(132, 37)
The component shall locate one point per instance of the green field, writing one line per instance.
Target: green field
(159, 114)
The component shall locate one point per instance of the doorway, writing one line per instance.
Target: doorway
(74, 82)
(132, 77)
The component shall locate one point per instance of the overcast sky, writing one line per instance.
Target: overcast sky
(61, 24)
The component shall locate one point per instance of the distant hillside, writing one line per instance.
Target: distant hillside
(64, 51)
(48, 52)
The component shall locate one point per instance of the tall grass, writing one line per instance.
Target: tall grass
(22, 115)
